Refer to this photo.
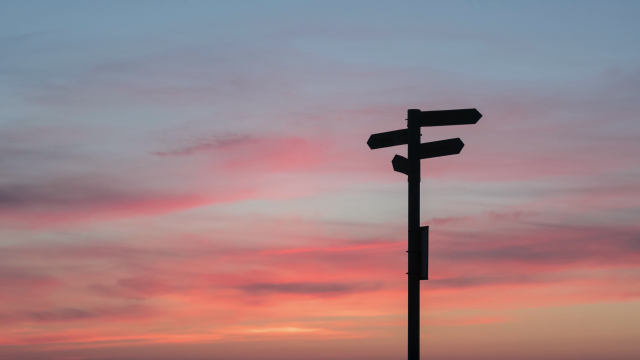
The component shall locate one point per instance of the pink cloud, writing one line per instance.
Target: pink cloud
(179, 280)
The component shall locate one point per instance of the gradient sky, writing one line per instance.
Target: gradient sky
(191, 180)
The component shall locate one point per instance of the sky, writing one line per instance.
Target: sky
(191, 180)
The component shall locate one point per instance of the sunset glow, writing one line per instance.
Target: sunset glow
(191, 180)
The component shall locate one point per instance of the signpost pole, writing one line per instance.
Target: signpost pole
(413, 154)
(410, 166)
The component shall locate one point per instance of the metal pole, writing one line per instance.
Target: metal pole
(414, 235)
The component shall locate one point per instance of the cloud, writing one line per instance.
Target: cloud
(64, 194)
(74, 314)
(215, 142)
(19, 282)
(551, 246)
(213, 280)
(308, 288)
(84, 199)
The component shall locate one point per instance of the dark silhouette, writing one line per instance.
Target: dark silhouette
(419, 236)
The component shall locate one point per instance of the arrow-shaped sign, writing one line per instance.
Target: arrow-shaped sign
(440, 148)
(429, 150)
(389, 138)
(401, 164)
(446, 117)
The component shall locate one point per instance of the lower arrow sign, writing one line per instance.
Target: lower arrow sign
(401, 164)
(429, 150)
(440, 148)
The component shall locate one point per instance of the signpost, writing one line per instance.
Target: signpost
(410, 166)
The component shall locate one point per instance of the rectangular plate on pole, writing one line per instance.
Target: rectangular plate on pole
(441, 148)
(389, 138)
(449, 117)
(424, 253)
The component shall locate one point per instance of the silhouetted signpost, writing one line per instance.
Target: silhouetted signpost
(410, 166)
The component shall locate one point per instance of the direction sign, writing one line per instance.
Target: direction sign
(401, 164)
(389, 138)
(440, 148)
(418, 252)
(446, 117)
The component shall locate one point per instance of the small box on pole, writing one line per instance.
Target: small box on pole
(424, 253)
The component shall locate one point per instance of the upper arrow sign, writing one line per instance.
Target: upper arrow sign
(389, 138)
(441, 148)
(445, 117)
